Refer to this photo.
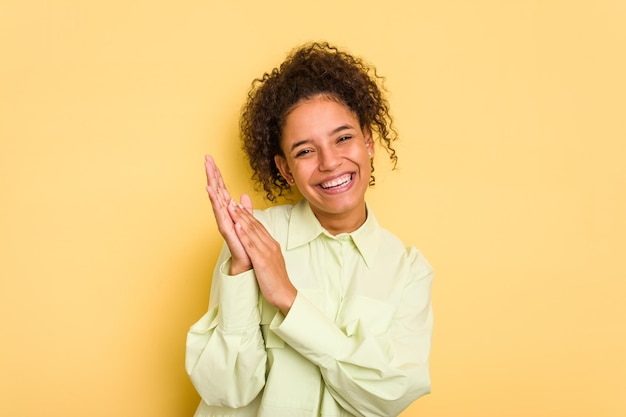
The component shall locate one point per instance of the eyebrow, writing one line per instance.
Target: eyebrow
(333, 132)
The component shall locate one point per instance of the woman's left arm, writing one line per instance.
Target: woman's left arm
(369, 374)
(266, 257)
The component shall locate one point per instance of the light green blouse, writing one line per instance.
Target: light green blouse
(355, 342)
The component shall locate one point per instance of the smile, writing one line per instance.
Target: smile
(337, 182)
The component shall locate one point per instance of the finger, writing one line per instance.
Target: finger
(216, 201)
(215, 181)
(221, 186)
(219, 201)
(261, 248)
(254, 242)
(208, 167)
(211, 174)
(251, 230)
(211, 180)
(246, 202)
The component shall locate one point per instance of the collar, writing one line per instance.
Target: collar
(304, 228)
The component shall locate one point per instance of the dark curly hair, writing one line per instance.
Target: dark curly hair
(308, 71)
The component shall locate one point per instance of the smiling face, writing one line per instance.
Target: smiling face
(327, 156)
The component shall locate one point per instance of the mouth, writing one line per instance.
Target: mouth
(338, 182)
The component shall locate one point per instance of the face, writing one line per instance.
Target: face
(327, 156)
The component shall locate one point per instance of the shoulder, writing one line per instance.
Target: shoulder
(392, 246)
(390, 241)
(275, 218)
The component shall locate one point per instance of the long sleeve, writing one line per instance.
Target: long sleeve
(356, 340)
(369, 372)
(226, 357)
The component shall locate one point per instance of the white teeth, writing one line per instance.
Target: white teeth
(337, 182)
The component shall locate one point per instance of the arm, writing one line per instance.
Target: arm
(266, 257)
(368, 374)
(221, 202)
(250, 243)
(226, 356)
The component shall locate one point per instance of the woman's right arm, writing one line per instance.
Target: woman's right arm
(226, 355)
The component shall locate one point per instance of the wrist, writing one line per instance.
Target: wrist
(238, 267)
(286, 301)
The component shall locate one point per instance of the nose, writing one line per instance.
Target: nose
(329, 159)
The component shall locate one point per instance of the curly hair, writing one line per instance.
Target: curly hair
(308, 71)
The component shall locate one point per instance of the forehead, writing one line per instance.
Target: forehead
(317, 116)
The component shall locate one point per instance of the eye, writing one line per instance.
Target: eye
(302, 152)
(344, 138)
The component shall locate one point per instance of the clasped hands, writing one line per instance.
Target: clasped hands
(250, 244)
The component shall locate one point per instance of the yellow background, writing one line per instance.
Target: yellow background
(511, 180)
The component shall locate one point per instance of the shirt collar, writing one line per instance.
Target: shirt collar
(304, 228)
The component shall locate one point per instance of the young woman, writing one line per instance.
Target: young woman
(315, 310)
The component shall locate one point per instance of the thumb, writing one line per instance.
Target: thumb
(246, 202)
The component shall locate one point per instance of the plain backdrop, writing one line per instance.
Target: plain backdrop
(511, 180)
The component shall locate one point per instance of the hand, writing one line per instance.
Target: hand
(220, 201)
(266, 257)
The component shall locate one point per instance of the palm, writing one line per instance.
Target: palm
(220, 201)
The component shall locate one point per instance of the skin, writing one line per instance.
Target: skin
(327, 156)
(250, 244)
(322, 141)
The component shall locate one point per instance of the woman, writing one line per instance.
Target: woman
(315, 310)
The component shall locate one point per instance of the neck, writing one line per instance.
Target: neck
(342, 222)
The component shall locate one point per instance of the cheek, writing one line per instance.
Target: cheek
(362, 154)
(301, 169)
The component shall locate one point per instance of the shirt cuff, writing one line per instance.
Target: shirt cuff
(238, 300)
(309, 332)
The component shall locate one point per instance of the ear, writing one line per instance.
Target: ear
(283, 168)
(369, 142)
